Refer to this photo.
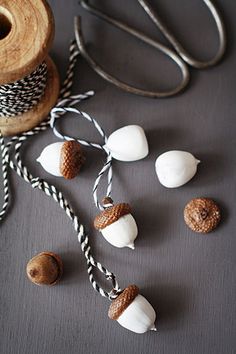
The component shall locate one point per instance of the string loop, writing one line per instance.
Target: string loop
(107, 167)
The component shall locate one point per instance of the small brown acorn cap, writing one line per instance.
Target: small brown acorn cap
(45, 268)
(111, 213)
(202, 215)
(119, 305)
(72, 159)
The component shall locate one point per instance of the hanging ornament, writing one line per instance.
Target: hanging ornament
(128, 143)
(175, 168)
(62, 159)
(132, 311)
(117, 224)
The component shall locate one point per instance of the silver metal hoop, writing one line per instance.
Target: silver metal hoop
(180, 56)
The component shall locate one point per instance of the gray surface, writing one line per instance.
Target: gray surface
(189, 278)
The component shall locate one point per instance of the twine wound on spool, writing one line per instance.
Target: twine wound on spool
(20, 96)
(29, 82)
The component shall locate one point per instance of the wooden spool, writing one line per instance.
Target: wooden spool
(26, 35)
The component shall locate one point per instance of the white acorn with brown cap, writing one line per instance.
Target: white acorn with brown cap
(62, 159)
(117, 224)
(132, 311)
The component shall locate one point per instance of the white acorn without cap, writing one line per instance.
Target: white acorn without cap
(62, 159)
(128, 143)
(175, 168)
(116, 224)
(132, 311)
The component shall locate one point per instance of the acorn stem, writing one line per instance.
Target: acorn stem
(107, 202)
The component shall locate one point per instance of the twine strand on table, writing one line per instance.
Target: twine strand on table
(5, 159)
(51, 190)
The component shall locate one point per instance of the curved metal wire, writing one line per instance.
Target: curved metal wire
(178, 47)
(179, 57)
(124, 86)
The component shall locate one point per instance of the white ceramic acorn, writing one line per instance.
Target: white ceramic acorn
(175, 168)
(132, 311)
(116, 224)
(62, 159)
(128, 143)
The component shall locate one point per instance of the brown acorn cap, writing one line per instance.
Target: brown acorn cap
(119, 305)
(71, 160)
(202, 215)
(45, 268)
(111, 214)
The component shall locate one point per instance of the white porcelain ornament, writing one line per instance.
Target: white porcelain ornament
(128, 143)
(132, 311)
(62, 159)
(116, 224)
(175, 168)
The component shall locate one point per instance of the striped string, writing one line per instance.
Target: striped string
(17, 165)
(107, 167)
(20, 96)
(5, 159)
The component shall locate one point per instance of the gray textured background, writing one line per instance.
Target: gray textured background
(189, 278)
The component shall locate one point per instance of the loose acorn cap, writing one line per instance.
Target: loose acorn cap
(71, 159)
(111, 214)
(202, 215)
(44, 269)
(119, 305)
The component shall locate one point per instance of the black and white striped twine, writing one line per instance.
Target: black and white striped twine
(64, 105)
(20, 96)
(107, 167)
